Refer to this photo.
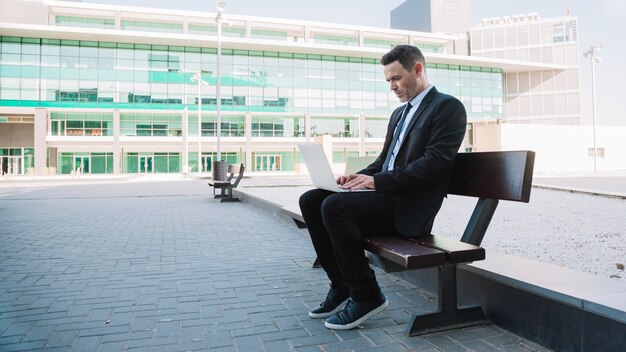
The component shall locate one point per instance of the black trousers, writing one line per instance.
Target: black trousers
(338, 223)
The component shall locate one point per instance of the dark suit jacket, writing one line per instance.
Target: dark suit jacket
(423, 166)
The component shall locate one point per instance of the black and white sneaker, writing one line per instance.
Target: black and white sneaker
(335, 300)
(355, 313)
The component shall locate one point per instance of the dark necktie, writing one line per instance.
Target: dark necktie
(396, 135)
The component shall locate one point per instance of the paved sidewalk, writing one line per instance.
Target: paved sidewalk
(612, 185)
(160, 266)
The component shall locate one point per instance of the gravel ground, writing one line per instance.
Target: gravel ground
(581, 232)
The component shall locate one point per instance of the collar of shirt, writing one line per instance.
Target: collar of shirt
(415, 102)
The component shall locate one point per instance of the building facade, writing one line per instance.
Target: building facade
(108, 89)
(549, 97)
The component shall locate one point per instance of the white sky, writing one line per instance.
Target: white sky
(600, 21)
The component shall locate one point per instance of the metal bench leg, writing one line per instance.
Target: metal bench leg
(229, 198)
(221, 195)
(449, 316)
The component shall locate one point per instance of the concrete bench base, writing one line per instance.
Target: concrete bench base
(556, 307)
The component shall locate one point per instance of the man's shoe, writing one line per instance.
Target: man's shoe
(335, 300)
(355, 313)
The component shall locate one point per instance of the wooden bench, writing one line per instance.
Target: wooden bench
(226, 187)
(488, 176)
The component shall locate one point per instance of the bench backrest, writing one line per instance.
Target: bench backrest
(491, 176)
(494, 175)
(236, 169)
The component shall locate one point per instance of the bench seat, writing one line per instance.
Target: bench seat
(423, 252)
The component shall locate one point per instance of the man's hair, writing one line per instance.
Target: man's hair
(407, 55)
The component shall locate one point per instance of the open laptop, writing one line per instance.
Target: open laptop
(319, 168)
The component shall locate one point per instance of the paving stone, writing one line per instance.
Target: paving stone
(277, 346)
(444, 343)
(87, 344)
(23, 346)
(18, 329)
(392, 348)
(254, 330)
(219, 339)
(315, 340)
(61, 339)
(113, 346)
(185, 346)
(470, 334)
(39, 333)
(248, 343)
(354, 344)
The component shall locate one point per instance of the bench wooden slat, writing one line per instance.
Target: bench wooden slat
(456, 252)
(404, 252)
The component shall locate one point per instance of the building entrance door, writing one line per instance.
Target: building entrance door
(11, 165)
(82, 163)
(145, 164)
(206, 163)
(267, 163)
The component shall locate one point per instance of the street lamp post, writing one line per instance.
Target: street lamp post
(221, 7)
(197, 77)
(591, 53)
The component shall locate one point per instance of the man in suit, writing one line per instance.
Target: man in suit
(410, 178)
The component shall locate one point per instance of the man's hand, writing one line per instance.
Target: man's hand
(356, 181)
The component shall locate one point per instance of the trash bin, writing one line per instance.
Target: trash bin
(219, 170)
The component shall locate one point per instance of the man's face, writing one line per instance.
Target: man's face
(406, 84)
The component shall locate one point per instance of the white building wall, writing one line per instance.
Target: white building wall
(23, 11)
(566, 149)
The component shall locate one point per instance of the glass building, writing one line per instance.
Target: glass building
(108, 89)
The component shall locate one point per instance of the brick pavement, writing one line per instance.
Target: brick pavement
(161, 266)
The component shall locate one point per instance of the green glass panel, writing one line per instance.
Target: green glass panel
(11, 39)
(65, 163)
(109, 160)
(131, 163)
(98, 164)
(160, 163)
(174, 163)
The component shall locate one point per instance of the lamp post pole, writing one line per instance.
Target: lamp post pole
(591, 53)
(199, 78)
(221, 6)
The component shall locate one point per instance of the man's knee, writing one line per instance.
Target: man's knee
(312, 198)
(332, 205)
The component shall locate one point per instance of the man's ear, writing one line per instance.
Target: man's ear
(418, 69)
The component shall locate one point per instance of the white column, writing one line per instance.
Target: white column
(185, 25)
(248, 134)
(307, 127)
(185, 119)
(117, 148)
(361, 134)
(39, 139)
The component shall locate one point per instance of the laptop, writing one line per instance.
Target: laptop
(319, 168)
